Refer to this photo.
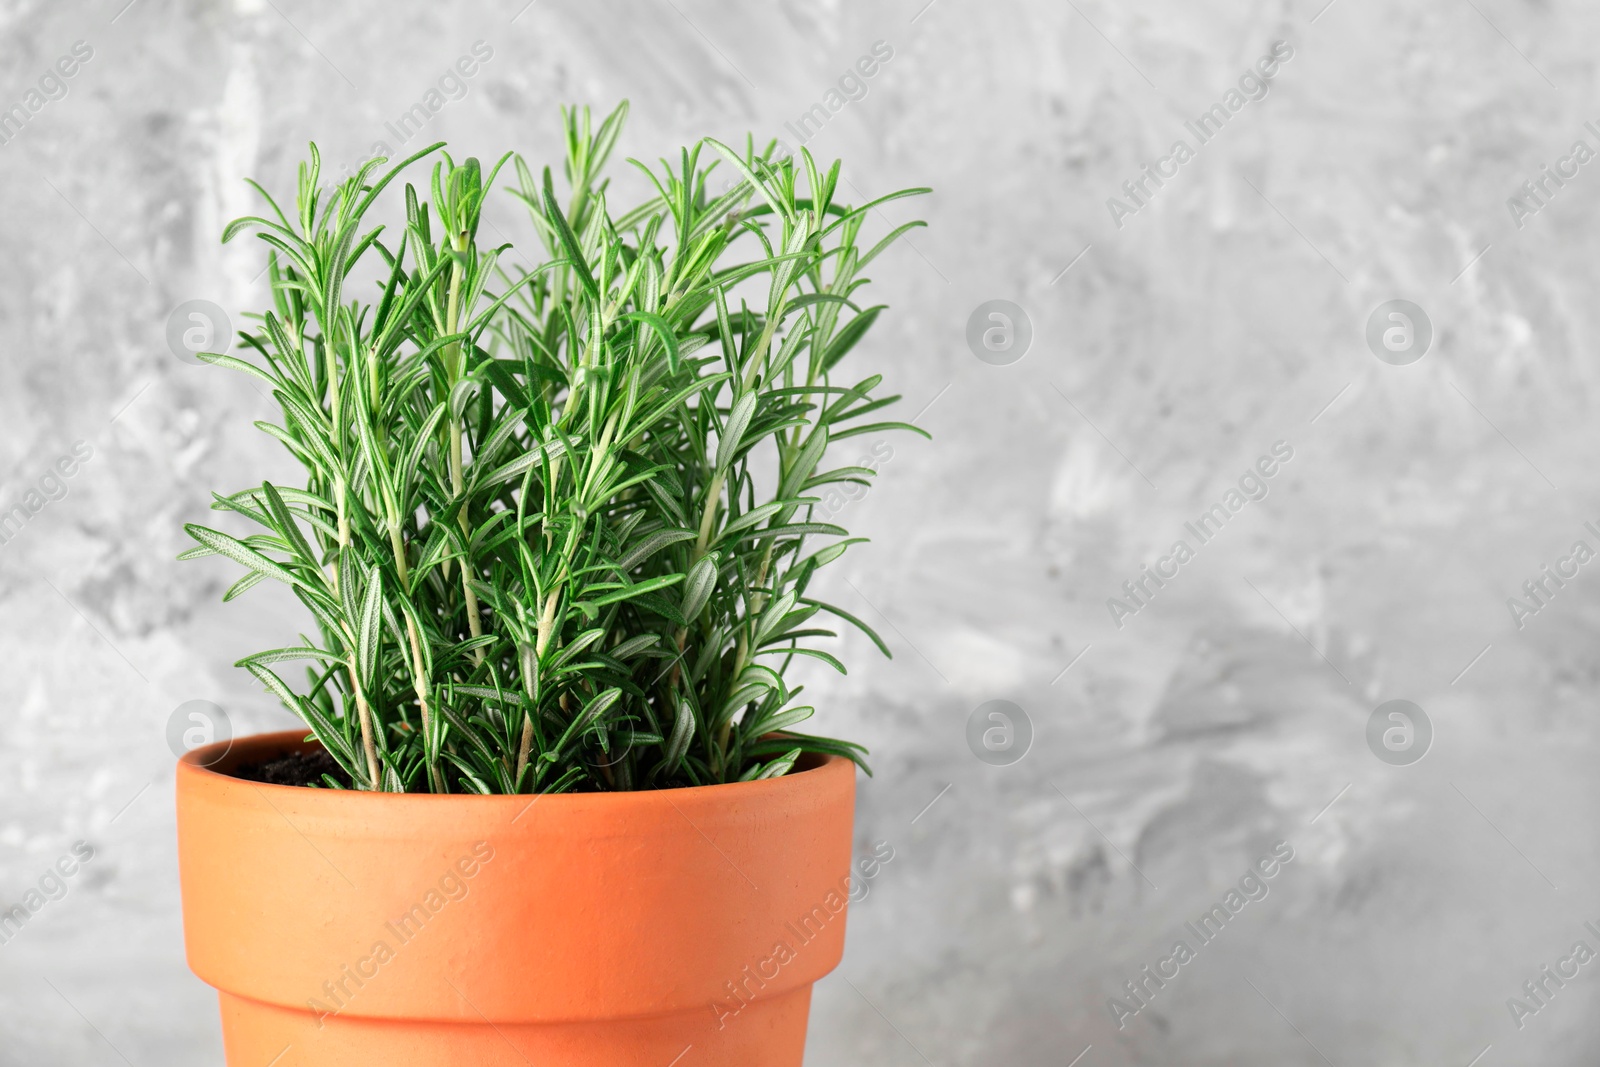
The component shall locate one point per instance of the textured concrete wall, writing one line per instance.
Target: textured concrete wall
(1175, 339)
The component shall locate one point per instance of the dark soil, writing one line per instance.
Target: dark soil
(295, 768)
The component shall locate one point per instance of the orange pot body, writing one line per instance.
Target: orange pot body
(673, 928)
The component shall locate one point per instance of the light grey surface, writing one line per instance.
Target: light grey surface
(1167, 355)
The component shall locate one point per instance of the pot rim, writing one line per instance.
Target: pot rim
(716, 876)
(231, 753)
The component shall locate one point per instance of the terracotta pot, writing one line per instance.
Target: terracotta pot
(676, 927)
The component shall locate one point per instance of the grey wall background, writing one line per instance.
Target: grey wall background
(1167, 355)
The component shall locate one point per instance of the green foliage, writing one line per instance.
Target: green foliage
(556, 528)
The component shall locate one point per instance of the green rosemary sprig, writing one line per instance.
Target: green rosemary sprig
(556, 531)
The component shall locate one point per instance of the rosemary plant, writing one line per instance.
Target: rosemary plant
(556, 528)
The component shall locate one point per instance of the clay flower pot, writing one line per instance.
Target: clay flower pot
(681, 926)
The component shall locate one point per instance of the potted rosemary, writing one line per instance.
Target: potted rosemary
(556, 544)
